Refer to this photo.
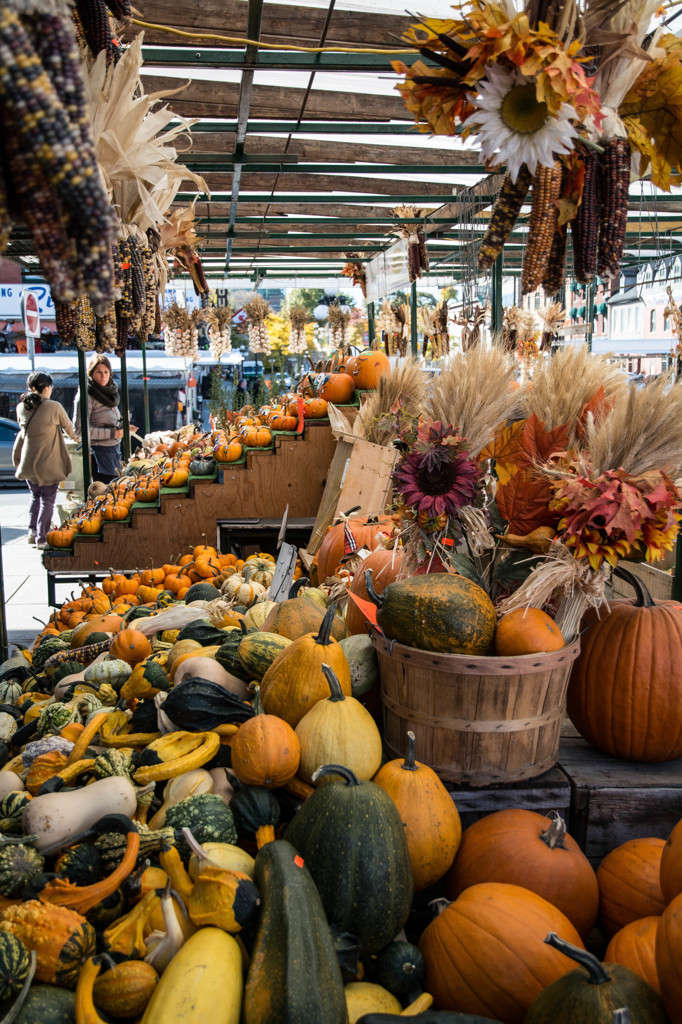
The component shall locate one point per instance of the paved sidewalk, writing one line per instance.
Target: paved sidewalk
(25, 579)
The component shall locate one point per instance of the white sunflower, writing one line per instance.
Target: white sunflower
(514, 127)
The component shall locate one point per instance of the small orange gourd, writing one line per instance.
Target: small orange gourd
(131, 646)
(265, 751)
(527, 631)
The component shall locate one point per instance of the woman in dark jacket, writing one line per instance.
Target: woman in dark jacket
(104, 419)
(40, 453)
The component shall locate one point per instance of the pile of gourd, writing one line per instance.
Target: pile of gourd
(197, 826)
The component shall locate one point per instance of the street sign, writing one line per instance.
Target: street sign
(30, 315)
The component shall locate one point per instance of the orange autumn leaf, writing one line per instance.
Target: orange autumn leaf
(506, 450)
(524, 502)
(539, 444)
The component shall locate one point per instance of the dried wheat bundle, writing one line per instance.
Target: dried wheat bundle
(475, 392)
(564, 384)
(405, 389)
(642, 432)
(339, 325)
(219, 330)
(298, 318)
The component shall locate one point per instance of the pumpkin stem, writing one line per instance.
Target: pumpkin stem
(326, 627)
(295, 587)
(244, 628)
(440, 904)
(597, 973)
(333, 681)
(555, 835)
(643, 598)
(336, 769)
(408, 764)
(194, 846)
(378, 599)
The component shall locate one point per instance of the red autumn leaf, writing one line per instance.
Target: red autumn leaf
(539, 444)
(598, 405)
(524, 502)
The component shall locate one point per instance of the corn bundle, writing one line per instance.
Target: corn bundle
(552, 317)
(93, 20)
(417, 256)
(150, 290)
(50, 159)
(585, 224)
(188, 258)
(298, 317)
(471, 321)
(527, 349)
(543, 218)
(219, 329)
(106, 330)
(355, 271)
(613, 205)
(675, 313)
(86, 337)
(257, 309)
(182, 331)
(339, 326)
(433, 324)
(66, 321)
(393, 324)
(510, 199)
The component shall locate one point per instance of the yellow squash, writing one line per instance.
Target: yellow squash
(202, 984)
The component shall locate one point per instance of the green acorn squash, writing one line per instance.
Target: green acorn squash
(80, 864)
(399, 967)
(198, 704)
(436, 612)
(48, 1004)
(10, 691)
(593, 993)
(201, 592)
(257, 651)
(113, 671)
(11, 809)
(352, 839)
(204, 632)
(227, 655)
(294, 976)
(18, 865)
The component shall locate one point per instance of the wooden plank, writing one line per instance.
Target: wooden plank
(257, 181)
(222, 143)
(221, 208)
(280, 24)
(294, 473)
(548, 792)
(613, 800)
(659, 583)
(220, 99)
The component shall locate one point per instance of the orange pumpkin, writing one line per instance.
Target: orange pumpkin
(314, 409)
(256, 436)
(385, 564)
(91, 525)
(668, 959)
(364, 529)
(177, 476)
(148, 491)
(629, 884)
(131, 646)
(110, 623)
(525, 848)
(634, 946)
(336, 387)
(228, 451)
(485, 953)
(527, 631)
(61, 538)
(368, 368)
(671, 865)
(152, 577)
(282, 421)
(266, 752)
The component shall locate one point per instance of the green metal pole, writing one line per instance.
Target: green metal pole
(496, 298)
(145, 388)
(4, 644)
(85, 426)
(414, 334)
(589, 313)
(371, 323)
(124, 407)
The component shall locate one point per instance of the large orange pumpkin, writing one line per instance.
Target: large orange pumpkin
(624, 696)
(368, 368)
(99, 624)
(525, 848)
(485, 953)
(336, 387)
(634, 946)
(527, 631)
(385, 564)
(629, 883)
(364, 529)
(669, 958)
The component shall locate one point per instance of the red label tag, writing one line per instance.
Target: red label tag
(368, 608)
(298, 861)
(125, 266)
(448, 542)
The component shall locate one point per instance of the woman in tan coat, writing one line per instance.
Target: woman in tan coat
(40, 453)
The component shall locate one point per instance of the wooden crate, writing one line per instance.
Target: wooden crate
(548, 792)
(658, 582)
(359, 475)
(612, 800)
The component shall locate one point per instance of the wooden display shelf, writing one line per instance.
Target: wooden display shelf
(548, 792)
(293, 473)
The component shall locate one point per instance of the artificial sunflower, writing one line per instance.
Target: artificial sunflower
(514, 127)
(437, 477)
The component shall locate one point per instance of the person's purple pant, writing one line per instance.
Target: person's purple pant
(42, 507)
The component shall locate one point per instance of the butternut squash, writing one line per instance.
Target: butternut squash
(56, 817)
(202, 984)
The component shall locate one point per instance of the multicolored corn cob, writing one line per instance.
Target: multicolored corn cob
(139, 297)
(544, 214)
(66, 321)
(510, 199)
(94, 19)
(105, 329)
(554, 274)
(85, 334)
(585, 225)
(614, 202)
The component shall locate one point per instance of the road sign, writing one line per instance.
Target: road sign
(30, 314)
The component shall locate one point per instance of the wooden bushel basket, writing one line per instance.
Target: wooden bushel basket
(476, 720)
